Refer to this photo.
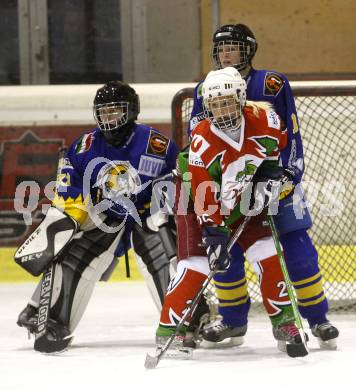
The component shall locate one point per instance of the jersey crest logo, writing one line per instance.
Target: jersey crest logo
(118, 178)
(84, 143)
(249, 170)
(273, 84)
(157, 144)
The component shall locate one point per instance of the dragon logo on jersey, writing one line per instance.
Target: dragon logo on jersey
(273, 84)
(118, 178)
(249, 170)
(267, 145)
(242, 178)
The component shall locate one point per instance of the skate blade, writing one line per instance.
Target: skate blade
(282, 345)
(227, 343)
(329, 345)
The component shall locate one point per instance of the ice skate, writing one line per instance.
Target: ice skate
(218, 335)
(289, 340)
(200, 318)
(193, 336)
(177, 349)
(326, 334)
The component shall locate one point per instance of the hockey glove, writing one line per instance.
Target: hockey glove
(287, 185)
(215, 241)
(265, 186)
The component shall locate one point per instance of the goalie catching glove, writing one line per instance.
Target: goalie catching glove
(216, 241)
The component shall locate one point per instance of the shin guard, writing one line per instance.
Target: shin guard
(273, 288)
(302, 264)
(181, 291)
(231, 290)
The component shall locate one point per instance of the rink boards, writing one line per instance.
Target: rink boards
(331, 260)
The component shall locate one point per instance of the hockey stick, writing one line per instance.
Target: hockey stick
(41, 343)
(152, 361)
(293, 350)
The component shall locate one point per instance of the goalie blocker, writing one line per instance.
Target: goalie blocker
(46, 242)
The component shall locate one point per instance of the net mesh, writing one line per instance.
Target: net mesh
(328, 126)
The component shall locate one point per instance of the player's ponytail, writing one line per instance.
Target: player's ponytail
(257, 106)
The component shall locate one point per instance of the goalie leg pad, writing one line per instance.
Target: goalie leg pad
(35, 298)
(153, 261)
(82, 265)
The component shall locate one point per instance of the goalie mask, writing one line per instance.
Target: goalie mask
(224, 96)
(116, 107)
(233, 45)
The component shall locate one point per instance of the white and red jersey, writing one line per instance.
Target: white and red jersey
(222, 168)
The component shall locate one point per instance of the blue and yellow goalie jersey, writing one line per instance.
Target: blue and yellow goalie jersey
(118, 179)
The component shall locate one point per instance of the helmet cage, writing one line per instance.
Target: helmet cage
(112, 116)
(239, 52)
(224, 112)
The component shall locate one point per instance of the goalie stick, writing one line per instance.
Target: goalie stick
(293, 350)
(152, 361)
(42, 344)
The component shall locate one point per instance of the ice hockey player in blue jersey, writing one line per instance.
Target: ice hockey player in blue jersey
(102, 200)
(236, 45)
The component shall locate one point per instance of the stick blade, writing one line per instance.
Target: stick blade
(44, 345)
(296, 350)
(151, 362)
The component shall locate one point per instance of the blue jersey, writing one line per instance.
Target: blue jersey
(265, 85)
(94, 171)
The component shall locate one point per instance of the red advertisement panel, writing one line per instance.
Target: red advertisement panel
(28, 162)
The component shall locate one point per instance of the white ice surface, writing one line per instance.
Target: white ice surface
(117, 331)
